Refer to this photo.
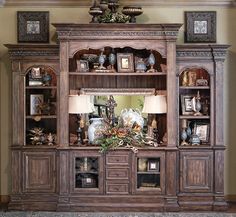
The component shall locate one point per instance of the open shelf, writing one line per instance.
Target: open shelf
(41, 116)
(194, 117)
(118, 73)
(41, 87)
(194, 87)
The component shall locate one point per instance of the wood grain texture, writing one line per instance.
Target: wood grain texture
(87, 3)
(196, 171)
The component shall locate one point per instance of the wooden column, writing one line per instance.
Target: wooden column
(63, 95)
(172, 97)
(219, 53)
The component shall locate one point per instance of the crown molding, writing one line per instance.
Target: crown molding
(87, 3)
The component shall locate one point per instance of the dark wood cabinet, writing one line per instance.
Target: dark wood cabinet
(51, 172)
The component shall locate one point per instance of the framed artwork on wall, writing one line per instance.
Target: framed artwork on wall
(200, 27)
(33, 26)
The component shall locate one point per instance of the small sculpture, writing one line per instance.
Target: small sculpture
(112, 60)
(140, 66)
(47, 78)
(197, 106)
(101, 61)
(50, 139)
(151, 61)
(37, 136)
(184, 134)
(111, 103)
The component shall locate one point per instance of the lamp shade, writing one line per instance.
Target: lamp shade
(80, 104)
(154, 104)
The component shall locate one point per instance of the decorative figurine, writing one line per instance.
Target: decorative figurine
(151, 61)
(101, 61)
(37, 136)
(112, 60)
(197, 106)
(111, 103)
(140, 66)
(50, 139)
(47, 78)
(184, 134)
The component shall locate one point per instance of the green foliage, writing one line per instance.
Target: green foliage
(109, 17)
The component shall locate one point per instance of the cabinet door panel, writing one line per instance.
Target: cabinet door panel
(39, 171)
(196, 171)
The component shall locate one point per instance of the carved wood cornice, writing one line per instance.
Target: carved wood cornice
(20, 50)
(117, 31)
(205, 51)
(86, 3)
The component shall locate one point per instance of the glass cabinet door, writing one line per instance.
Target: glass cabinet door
(150, 169)
(86, 175)
(148, 173)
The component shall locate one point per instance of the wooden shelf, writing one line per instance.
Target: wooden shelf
(148, 173)
(205, 146)
(40, 87)
(41, 116)
(195, 88)
(194, 117)
(87, 172)
(118, 73)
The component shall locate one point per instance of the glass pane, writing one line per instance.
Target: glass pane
(148, 173)
(86, 175)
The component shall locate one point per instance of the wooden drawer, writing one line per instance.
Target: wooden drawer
(117, 159)
(117, 173)
(117, 188)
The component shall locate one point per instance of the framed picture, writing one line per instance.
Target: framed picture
(82, 66)
(36, 100)
(200, 26)
(125, 62)
(33, 26)
(153, 165)
(187, 104)
(202, 130)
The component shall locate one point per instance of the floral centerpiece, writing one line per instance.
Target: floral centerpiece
(118, 136)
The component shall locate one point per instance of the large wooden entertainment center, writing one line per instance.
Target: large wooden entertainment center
(189, 177)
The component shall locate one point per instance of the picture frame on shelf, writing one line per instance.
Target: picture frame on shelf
(82, 66)
(33, 26)
(153, 165)
(125, 62)
(187, 104)
(200, 26)
(36, 100)
(202, 130)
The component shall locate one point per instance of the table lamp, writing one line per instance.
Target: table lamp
(155, 104)
(80, 104)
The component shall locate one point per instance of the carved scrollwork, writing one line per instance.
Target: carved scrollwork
(193, 54)
(122, 34)
(21, 53)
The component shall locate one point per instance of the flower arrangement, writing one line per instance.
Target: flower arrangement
(118, 136)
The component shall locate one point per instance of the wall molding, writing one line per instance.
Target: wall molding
(87, 3)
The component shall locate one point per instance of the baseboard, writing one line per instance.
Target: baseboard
(4, 198)
(231, 198)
